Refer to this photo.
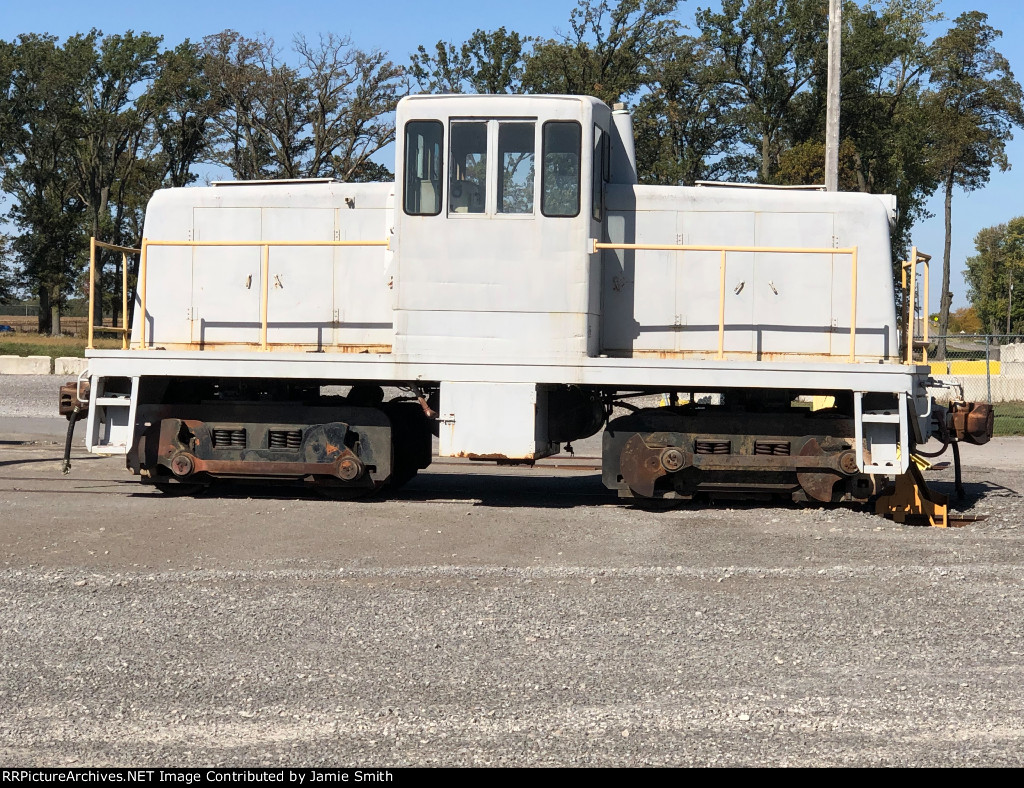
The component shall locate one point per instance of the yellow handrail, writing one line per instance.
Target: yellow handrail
(123, 330)
(265, 268)
(851, 250)
(911, 264)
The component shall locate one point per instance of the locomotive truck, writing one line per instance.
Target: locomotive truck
(513, 285)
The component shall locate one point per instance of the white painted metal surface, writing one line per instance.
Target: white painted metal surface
(491, 286)
(319, 298)
(490, 420)
(777, 305)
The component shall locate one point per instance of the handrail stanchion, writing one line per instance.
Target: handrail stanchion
(92, 289)
(851, 250)
(124, 300)
(123, 328)
(721, 307)
(925, 260)
(911, 292)
(142, 294)
(264, 296)
(265, 245)
(853, 305)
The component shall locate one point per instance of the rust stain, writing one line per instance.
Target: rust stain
(970, 422)
(501, 459)
(278, 347)
(741, 355)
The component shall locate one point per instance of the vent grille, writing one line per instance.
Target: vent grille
(224, 438)
(776, 448)
(284, 439)
(712, 447)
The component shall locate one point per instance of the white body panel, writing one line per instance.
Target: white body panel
(493, 285)
(489, 304)
(486, 420)
(319, 298)
(776, 304)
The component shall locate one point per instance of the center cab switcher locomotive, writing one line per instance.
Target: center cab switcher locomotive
(515, 283)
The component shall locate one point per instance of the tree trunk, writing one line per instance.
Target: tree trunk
(97, 290)
(945, 301)
(44, 310)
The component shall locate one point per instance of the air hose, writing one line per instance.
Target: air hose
(65, 466)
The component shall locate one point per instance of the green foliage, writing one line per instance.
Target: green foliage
(488, 62)
(884, 70)
(323, 118)
(975, 102)
(7, 286)
(994, 274)
(974, 105)
(687, 126)
(42, 117)
(184, 108)
(769, 52)
(804, 163)
(611, 51)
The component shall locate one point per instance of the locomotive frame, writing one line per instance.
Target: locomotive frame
(517, 283)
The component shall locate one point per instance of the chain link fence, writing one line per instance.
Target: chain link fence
(19, 310)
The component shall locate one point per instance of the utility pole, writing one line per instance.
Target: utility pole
(1009, 304)
(835, 28)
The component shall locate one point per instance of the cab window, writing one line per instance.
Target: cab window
(600, 172)
(424, 143)
(515, 157)
(467, 175)
(560, 177)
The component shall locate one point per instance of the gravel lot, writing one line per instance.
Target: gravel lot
(485, 617)
(30, 396)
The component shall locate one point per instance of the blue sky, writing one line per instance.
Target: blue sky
(398, 26)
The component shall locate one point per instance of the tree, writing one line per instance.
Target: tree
(7, 285)
(974, 105)
(884, 66)
(323, 118)
(115, 128)
(769, 50)
(686, 126)
(610, 52)
(184, 108)
(964, 320)
(40, 118)
(353, 93)
(488, 62)
(994, 273)
(804, 163)
(113, 125)
(883, 123)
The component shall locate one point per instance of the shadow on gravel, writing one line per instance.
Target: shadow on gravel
(497, 490)
(974, 493)
(476, 490)
(4, 463)
(28, 461)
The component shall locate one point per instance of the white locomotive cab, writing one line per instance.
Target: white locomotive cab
(516, 283)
